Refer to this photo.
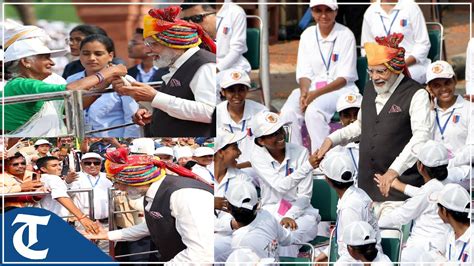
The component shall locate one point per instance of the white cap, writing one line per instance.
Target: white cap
(164, 150)
(242, 195)
(349, 100)
(335, 164)
(452, 197)
(224, 137)
(231, 77)
(41, 142)
(143, 146)
(91, 155)
(266, 123)
(203, 151)
(439, 69)
(359, 233)
(332, 4)
(433, 154)
(184, 151)
(22, 41)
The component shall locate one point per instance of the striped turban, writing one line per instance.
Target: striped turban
(139, 170)
(164, 26)
(387, 52)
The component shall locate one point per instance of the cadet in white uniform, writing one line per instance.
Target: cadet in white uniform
(454, 209)
(361, 240)
(326, 69)
(256, 229)
(236, 113)
(470, 68)
(226, 174)
(428, 229)
(284, 172)
(403, 17)
(231, 38)
(354, 204)
(204, 167)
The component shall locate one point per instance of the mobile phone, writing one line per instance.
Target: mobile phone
(35, 177)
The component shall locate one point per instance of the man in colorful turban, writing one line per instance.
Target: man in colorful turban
(186, 101)
(178, 209)
(396, 120)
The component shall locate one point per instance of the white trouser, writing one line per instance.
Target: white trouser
(384, 208)
(317, 116)
(307, 231)
(416, 246)
(222, 247)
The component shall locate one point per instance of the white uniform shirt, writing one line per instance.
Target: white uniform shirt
(203, 87)
(405, 17)
(223, 219)
(58, 190)
(420, 120)
(192, 209)
(470, 67)
(338, 50)
(454, 122)
(355, 205)
(263, 236)
(381, 259)
(205, 172)
(251, 108)
(231, 37)
(100, 184)
(461, 249)
(428, 228)
(291, 180)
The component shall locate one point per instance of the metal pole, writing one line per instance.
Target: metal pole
(111, 194)
(265, 65)
(90, 196)
(77, 114)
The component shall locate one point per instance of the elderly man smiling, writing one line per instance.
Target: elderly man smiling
(396, 120)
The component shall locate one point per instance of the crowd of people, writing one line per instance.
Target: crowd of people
(403, 154)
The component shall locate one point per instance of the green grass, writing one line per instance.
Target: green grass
(66, 13)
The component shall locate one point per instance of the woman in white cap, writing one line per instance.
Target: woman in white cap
(451, 114)
(284, 174)
(28, 62)
(96, 54)
(454, 209)
(226, 175)
(361, 240)
(236, 113)
(326, 68)
(428, 231)
(354, 203)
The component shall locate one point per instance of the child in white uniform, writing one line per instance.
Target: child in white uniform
(226, 175)
(204, 166)
(428, 229)
(454, 209)
(284, 172)
(354, 204)
(361, 240)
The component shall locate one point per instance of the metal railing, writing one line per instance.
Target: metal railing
(89, 191)
(74, 112)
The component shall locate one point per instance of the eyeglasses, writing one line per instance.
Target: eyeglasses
(17, 164)
(198, 18)
(380, 72)
(92, 163)
(73, 40)
(150, 45)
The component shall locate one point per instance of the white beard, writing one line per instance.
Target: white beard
(167, 58)
(386, 87)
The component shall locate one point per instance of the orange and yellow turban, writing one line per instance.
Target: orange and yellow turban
(167, 29)
(386, 51)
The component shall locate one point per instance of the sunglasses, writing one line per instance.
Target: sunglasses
(198, 18)
(92, 163)
(17, 164)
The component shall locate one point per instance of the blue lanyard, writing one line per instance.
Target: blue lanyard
(353, 159)
(328, 64)
(462, 250)
(391, 24)
(212, 176)
(242, 129)
(97, 181)
(219, 24)
(226, 186)
(288, 170)
(335, 228)
(442, 129)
